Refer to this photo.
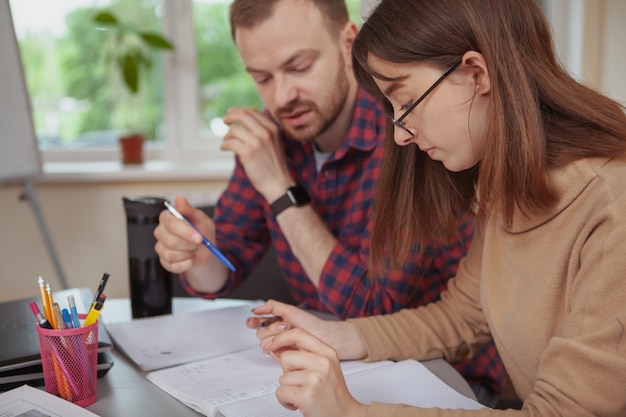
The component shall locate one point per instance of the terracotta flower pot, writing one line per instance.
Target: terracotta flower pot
(132, 148)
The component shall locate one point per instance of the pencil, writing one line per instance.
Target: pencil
(52, 318)
(44, 299)
(56, 309)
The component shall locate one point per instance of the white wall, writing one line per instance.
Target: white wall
(589, 37)
(613, 45)
(88, 227)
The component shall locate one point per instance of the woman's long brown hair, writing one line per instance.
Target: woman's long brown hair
(539, 118)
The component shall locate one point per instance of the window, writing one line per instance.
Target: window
(80, 105)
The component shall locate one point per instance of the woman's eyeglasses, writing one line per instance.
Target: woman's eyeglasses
(399, 121)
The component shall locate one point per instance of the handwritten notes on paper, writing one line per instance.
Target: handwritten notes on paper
(243, 384)
(168, 340)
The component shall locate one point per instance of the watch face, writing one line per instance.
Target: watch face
(298, 195)
(295, 196)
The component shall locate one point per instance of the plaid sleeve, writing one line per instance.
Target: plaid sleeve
(347, 290)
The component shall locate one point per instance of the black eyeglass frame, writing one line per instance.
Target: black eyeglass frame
(399, 121)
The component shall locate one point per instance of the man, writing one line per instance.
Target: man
(305, 179)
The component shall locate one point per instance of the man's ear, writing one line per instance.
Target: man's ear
(475, 65)
(346, 40)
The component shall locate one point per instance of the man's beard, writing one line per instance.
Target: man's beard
(323, 118)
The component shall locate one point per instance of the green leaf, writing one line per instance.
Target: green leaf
(106, 19)
(130, 69)
(156, 41)
(142, 59)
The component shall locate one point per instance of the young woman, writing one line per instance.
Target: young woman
(486, 121)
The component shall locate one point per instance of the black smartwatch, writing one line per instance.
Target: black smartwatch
(295, 196)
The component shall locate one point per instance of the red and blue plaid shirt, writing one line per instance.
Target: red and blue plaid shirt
(342, 193)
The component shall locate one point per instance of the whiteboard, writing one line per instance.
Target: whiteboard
(19, 154)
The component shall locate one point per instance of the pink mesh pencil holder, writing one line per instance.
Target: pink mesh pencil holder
(69, 359)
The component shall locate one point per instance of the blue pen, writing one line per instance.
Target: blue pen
(219, 255)
(74, 315)
(67, 319)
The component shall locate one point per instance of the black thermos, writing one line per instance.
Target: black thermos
(150, 283)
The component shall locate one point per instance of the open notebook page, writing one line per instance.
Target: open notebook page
(207, 384)
(243, 384)
(407, 382)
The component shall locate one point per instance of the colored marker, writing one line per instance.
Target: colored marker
(94, 312)
(67, 319)
(41, 320)
(73, 311)
(100, 290)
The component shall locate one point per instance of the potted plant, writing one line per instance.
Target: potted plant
(130, 52)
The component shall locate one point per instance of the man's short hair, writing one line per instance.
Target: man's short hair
(248, 13)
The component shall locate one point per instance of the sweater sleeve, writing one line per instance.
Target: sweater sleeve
(453, 327)
(402, 410)
(576, 366)
(582, 371)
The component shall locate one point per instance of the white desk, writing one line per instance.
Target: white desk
(124, 391)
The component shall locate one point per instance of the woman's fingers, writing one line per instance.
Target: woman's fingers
(298, 339)
(265, 322)
(312, 379)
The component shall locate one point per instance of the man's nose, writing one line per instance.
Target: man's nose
(285, 92)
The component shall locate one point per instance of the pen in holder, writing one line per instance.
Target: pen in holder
(150, 284)
(69, 359)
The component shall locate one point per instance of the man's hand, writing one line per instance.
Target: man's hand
(256, 141)
(179, 246)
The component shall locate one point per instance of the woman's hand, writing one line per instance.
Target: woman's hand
(274, 317)
(312, 380)
(341, 335)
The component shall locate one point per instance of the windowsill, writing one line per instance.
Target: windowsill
(115, 171)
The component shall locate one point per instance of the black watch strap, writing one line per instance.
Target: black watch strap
(295, 196)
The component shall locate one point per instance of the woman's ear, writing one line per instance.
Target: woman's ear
(475, 64)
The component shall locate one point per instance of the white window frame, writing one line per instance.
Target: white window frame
(184, 142)
(183, 139)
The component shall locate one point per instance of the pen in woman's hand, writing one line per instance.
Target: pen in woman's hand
(273, 319)
(269, 321)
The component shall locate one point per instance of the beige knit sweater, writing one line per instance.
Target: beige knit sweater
(551, 291)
